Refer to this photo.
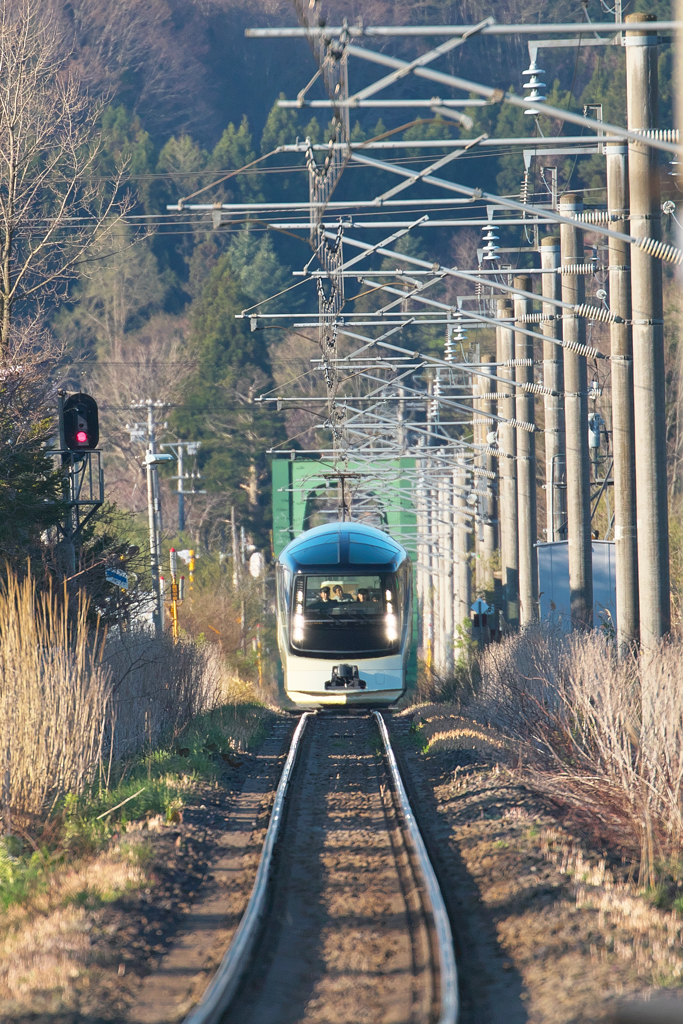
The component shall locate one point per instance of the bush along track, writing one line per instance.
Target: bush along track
(92, 898)
(550, 924)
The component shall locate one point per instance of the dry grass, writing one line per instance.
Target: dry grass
(73, 706)
(56, 697)
(600, 735)
(46, 947)
(158, 687)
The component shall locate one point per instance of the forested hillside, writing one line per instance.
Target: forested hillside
(186, 99)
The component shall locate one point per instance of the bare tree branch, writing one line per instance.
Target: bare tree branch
(51, 214)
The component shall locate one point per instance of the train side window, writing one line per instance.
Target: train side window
(284, 588)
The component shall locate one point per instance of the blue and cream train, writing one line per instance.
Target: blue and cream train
(344, 596)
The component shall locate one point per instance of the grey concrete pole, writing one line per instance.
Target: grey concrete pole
(491, 509)
(421, 531)
(463, 528)
(478, 434)
(445, 488)
(648, 341)
(576, 427)
(526, 465)
(553, 378)
(623, 437)
(505, 349)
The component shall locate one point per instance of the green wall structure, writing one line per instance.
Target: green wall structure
(307, 493)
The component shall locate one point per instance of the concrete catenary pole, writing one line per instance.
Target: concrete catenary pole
(153, 522)
(462, 523)
(490, 507)
(576, 426)
(553, 378)
(526, 463)
(478, 462)
(505, 350)
(623, 437)
(446, 582)
(642, 101)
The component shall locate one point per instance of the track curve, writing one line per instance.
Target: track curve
(345, 923)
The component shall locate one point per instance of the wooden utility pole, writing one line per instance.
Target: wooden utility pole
(576, 424)
(642, 99)
(553, 378)
(623, 437)
(526, 462)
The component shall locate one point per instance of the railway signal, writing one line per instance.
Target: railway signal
(81, 423)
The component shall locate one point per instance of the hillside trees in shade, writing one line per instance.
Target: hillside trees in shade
(219, 408)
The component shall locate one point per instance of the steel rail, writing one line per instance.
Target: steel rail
(448, 971)
(223, 985)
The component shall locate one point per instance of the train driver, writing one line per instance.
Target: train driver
(362, 596)
(324, 594)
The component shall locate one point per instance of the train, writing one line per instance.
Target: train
(344, 603)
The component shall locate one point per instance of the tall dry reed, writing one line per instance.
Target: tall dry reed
(55, 699)
(602, 735)
(158, 687)
(71, 703)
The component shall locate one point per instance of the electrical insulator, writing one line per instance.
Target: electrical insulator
(490, 251)
(535, 85)
(449, 351)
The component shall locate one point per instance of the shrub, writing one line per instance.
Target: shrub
(602, 735)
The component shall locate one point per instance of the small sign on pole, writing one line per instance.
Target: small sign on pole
(117, 577)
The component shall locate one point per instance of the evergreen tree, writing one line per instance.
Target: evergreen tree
(281, 127)
(219, 408)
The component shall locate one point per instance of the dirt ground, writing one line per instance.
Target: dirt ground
(148, 954)
(546, 932)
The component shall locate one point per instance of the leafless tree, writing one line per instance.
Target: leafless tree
(51, 207)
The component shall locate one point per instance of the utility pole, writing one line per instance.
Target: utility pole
(576, 425)
(505, 350)
(179, 448)
(152, 460)
(462, 526)
(623, 435)
(490, 510)
(526, 463)
(642, 99)
(553, 378)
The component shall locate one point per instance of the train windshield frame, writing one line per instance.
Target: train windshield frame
(346, 614)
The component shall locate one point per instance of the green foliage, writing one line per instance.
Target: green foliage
(167, 777)
(233, 369)
(234, 150)
(281, 127)
(125, 143)
(21, 875)
(256, 269)
(437, 128)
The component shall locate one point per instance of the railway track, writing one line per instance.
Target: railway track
(345, 922)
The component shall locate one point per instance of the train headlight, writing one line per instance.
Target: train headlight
(391, 624)
(298, 628)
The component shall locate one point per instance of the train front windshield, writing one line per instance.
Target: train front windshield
(346, 615)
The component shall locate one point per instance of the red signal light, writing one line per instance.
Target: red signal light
(81, 437)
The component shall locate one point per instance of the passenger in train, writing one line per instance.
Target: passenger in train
(339, 594)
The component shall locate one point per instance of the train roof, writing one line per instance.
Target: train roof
(348, 547)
